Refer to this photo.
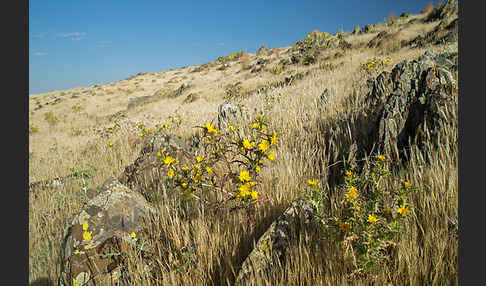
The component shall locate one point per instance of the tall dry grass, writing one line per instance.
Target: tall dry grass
(195, 246)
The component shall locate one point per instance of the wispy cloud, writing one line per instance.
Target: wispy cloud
(75, 36)
(40, 54)
(103, 44)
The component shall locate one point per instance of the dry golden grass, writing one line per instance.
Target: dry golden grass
(427, 254)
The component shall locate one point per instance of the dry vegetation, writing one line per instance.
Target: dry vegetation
(208, 249)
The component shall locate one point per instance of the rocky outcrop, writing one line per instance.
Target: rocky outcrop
(447, 31)
(227, 113)
(96, 243)
(146, 174)
(270, 249)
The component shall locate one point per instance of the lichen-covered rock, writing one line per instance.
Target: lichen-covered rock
(147, 174)
(273, 244)
(415, 102)
(96, 242)
(227, 113)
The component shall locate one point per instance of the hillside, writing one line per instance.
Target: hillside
(314, 96)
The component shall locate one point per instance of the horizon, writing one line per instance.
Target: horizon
(75, 45)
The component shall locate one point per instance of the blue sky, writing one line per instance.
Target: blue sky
(82, 43)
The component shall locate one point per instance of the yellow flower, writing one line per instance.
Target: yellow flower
(85, 225)
(247, 144)
(75, 283)
(349, 173)
(312, 182)
(169, 160)
(231, 128)
(274, 138)
(133, 235)
(357, 208)
(184, 185)
(147, 130)
(256, 125)
(259, 117)
(165, 125)
(254, 195)
(76, 252)
(244, 176)
(403, 211)
(209, 170)
(407, 185)
(159, 154)
(381, 158)
(87, 235)
(351, 194)
(141, 134)
(185, 169)
(170, 173)
(200, 159)
(372, 219)
(385, 170)
(345, 226)
(264, 145)
(271, 156)
(110, 144)
(257, 169)
(244, 190)
(210, 128)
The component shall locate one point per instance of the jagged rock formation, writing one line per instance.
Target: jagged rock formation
(99, 237)
(273, 244)
(146, 175)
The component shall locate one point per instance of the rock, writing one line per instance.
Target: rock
(415, 102)
(191, 98)
(178, 92)
(273, 244)
(97, 241)
(227, 113)
(445, 32)
(146, 174)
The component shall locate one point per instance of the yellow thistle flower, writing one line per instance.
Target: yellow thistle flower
(345, 226)
(254, 195)
(312, 182)
(403, 211)
(133, 235)
(85, 225)
(264, 145)
(244, 176)
(271, 155)
(170, 173)
(244, 190)
(381, 158)
(87, 235)
(274, 138)
(169, 160)
(372, 219)
(247, 144)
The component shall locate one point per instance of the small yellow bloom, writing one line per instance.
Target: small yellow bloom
(85, 225)
(169, 160)
(244, 176)
(141, 134)
(185, 169)
(200, 159)
(209, 170)
(403, 211)
(184, 185)
(257, 169)
(351, 194)
(244, 190)
(75, 283)
(133, 235)
(110, 144)
(345, 226)
(170, 173)
(255, 125)
(271, 156)
(372, 219)
(247, 144)
(385, 170)
(210, 128)
(349, 173)
(259, 117)
(407, 185)
(254, 195)
(264, 145)
(381, 158)
(87, 235)
(357, 208)
(274, 138)
(312, 182)
(165, 125)
(231, 128)
(159, 154)
(76, 252)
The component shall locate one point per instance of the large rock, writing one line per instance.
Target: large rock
(227, 113)
(270, 249)
(414, 103)
(146, 174)
(96, 243)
